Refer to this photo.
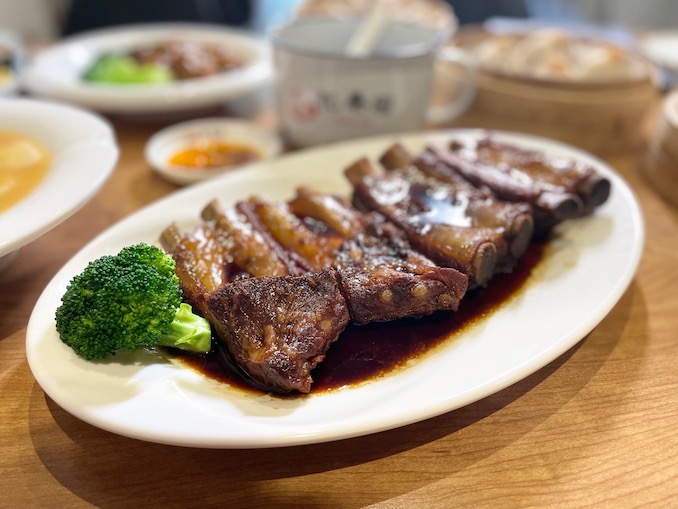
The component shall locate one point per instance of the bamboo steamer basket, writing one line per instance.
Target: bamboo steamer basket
(601, 117)
(666, 137)
(661, 162)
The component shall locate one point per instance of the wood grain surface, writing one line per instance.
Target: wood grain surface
(598, 427)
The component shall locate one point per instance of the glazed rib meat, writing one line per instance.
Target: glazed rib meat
(550, 171)
(480, 207)
(279, 328)
(435, 223)
(381, 276)
(279, 288)
(551, 205)
(307, 247)
(201, 258)
(329, 211)
(556, 188)
(251, 248)
(276, 327)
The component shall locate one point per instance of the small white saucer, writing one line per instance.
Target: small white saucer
(166, 143)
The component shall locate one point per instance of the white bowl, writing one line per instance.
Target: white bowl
(661, 46)
(166, 143)
(84, 152)
(57, 71)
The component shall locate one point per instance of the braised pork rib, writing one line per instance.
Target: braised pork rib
(280, 287)
(279, 281)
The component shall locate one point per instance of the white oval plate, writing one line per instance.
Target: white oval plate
(166, 402)
(56, 72)
(84, 152)
(167, 142)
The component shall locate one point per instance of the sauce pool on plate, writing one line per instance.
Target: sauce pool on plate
(24, 163)
(367, 352)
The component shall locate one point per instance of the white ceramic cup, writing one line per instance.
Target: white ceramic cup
(324, 95)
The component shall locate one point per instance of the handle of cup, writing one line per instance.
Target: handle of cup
(455, 106)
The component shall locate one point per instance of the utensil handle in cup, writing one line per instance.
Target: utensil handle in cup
(459, 104)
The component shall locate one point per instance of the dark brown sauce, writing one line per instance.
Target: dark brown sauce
(368, 351)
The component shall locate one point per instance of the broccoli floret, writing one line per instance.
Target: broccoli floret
(188, 331)
(127, 301)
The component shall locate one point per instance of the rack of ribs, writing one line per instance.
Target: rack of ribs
(283, 286)
(556, 188)
(452, 227)
(458, 203)
(279, 281)
(551, 172)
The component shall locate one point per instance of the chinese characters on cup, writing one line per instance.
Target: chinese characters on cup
(324, 95)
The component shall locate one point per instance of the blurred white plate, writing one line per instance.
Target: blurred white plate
(56, 72)
(661, 47)
(167, 142)
(84, 152)
(583, 274)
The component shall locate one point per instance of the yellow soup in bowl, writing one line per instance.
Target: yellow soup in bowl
(24, 162)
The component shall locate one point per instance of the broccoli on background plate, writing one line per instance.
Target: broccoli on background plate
(127, 301)
(124, 69)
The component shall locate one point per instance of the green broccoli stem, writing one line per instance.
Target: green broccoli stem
(188, 331)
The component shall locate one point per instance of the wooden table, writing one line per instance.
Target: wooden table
(598, 427)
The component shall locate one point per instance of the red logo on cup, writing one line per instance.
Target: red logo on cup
(303, 104)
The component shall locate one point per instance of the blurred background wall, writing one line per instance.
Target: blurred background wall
(39, 20)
